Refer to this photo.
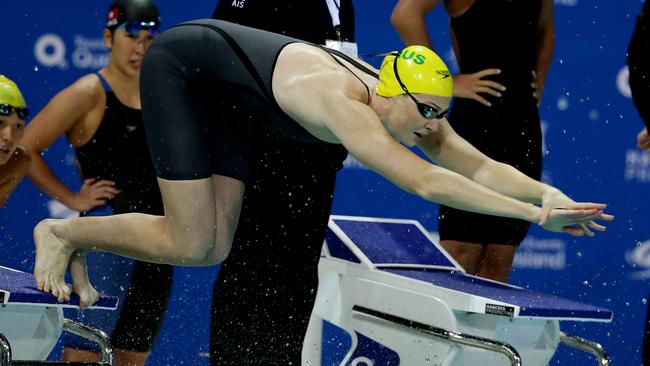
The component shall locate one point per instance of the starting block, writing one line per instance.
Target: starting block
(31, 321)
(389, 295)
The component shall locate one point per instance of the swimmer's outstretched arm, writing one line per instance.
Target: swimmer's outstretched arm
(451, 151)
(447, 149)
(358, 128)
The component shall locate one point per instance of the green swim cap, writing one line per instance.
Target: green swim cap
(420, 70)
(10, 94)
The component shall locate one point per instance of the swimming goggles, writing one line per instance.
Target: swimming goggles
(425, 110)
(8, 109)
(133, 27)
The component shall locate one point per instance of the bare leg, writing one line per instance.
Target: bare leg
(466, 254)
(122, 357)
(496, 261)
(228, 207)
(71, 354)
(186, 235)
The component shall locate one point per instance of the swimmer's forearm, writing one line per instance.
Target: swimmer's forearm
(454, 190)
(41, 175)
(507, 180)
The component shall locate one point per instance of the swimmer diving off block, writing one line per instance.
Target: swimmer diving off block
(310, 93)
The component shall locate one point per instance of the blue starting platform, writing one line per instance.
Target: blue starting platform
(389, 294)
(31, 321)
(17, 287)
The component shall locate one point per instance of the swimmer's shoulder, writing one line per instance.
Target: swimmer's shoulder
(85, 91)
(89, 84)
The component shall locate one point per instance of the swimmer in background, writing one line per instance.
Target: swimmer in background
(313, 94)
(14, 158)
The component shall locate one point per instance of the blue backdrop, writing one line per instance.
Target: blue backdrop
(589, 122)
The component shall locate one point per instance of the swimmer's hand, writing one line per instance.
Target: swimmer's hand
(470, 85)
(576, 222)
(560, 213)
(93, 193)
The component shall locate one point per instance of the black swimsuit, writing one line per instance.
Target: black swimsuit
(193, 71)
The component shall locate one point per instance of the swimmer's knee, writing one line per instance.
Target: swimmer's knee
(216, 257)
(205, 254)
(198, 245)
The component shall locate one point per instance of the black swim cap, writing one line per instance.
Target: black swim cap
(140, 11)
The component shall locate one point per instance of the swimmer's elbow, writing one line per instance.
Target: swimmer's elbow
(397, 17)
(433, 185)
(404, 13)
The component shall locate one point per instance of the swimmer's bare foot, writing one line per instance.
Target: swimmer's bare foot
(80, 281)
(52, 258)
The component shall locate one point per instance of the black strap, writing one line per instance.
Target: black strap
(355, 75)
(354, 62)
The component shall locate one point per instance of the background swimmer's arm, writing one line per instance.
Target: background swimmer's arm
(408, 19)
(12, 173)
(448, 149)
(545, 45)
(59, 117)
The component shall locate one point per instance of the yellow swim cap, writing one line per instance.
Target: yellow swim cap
(10, 94)
(420, 70)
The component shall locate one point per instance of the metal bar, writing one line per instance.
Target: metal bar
(5, 351)
(586, 345)
(92, 334)
(79, 329)
(454, 337)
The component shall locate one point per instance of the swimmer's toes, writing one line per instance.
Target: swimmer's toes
(39, 283)
(88, 297)
(66, 292)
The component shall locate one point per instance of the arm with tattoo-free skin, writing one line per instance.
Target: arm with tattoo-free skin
(545, 45)
(68, 113)
(448, 149)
